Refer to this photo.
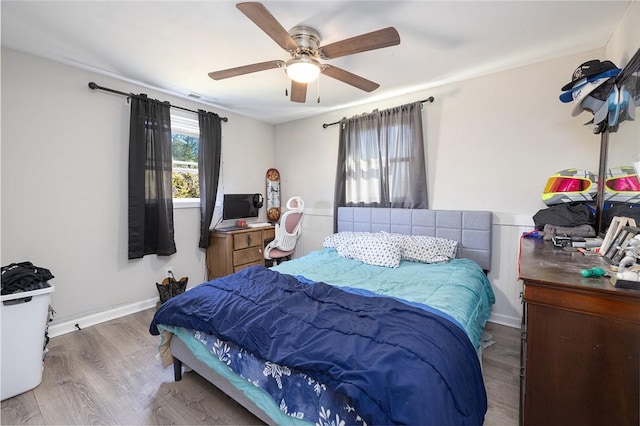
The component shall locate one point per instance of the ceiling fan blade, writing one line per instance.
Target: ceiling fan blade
(245, 69)
(298, 92)
(349, 78)
(267, 23)
(374, 40)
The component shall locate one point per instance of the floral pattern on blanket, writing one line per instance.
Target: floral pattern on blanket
(297, 394)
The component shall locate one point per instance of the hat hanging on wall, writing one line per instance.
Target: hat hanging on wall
(600, 107)
(593, 97)
(627, 104)
(600, 85)
(568, 95)
(589, 70)
(593, 88)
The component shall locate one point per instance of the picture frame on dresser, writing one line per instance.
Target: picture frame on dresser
(612, 238)
(626, 234)
(616, 250)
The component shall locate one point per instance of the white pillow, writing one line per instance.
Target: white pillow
(373, 249)
(425, 249)
(339, 238)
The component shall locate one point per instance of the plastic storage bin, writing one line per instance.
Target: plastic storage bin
(24, 322)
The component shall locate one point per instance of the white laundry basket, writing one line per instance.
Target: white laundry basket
(24, 318)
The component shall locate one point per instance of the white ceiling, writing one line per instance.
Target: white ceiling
(172, 45)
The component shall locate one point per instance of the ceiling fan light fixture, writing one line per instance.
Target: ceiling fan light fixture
(303, 69)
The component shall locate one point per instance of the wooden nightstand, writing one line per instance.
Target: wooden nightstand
(232, 251)
(580, 342)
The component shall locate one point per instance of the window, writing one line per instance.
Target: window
(381, 160)
(185, 134)
(378, 167)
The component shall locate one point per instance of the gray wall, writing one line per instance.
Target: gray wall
(64, 185)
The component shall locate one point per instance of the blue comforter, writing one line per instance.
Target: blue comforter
(458, 288)
(397, 363)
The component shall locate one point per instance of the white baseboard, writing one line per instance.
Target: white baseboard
(505, 320)
(100, 317)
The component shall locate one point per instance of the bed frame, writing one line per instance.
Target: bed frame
(182, 354)
(472, 230)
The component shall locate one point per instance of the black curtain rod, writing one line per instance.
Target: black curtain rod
(94, 86)
(325, 125)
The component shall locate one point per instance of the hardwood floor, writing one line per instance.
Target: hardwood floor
(110, 374)
(501, 371)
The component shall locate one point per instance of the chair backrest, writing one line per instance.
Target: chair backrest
(290, 227)
(295, 203)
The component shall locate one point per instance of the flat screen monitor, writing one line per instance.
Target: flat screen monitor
(239, 206)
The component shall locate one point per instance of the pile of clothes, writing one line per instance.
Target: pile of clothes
(24, 276)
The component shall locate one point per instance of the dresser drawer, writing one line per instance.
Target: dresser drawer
(232, 251)
(269, 234)
(247, 255)
(247, 239)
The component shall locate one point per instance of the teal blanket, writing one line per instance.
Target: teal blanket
(458, 288)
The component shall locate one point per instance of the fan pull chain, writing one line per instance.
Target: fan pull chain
(318, 89)
(287, 82)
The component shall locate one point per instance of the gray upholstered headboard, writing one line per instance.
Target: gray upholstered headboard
(472, 229)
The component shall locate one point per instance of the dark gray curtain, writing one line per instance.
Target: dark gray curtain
(339, 197)
(150, 188)
(209, 150)
(381, 160)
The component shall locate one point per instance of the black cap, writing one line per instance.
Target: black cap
(588, 69)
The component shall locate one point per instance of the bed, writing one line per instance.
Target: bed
(330, 338)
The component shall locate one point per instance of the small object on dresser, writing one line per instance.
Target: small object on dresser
(593, 272)
(259, 225)
(589, 243)
(559, 241)
(589, 252)
(620, 283)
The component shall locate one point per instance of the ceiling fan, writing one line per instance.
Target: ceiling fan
(303, 44)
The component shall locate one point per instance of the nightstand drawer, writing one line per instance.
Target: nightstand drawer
(247, 255)
(247, 239)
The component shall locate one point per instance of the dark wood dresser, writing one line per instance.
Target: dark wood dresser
(233, 250)
(580, 342)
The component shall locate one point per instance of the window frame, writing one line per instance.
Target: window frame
(189, 127)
